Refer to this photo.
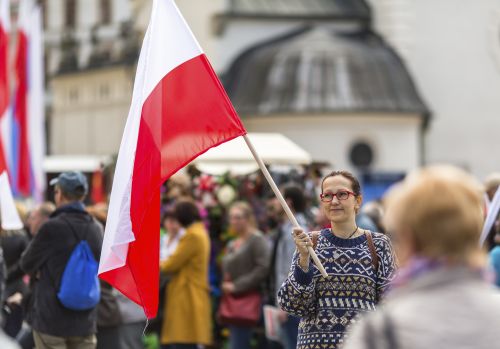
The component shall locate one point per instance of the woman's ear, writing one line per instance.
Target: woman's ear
(359, 201)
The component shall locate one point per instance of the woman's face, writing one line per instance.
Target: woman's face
(237, 220)
(339, 211)
(171, 225)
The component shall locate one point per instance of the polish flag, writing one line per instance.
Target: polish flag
(27, 126)
(22, 161)
(179, 110)
(8, 212)
(36, 104)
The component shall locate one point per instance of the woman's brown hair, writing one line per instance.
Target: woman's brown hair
(356, 187)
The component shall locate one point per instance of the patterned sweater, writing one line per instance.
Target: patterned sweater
(328, 306)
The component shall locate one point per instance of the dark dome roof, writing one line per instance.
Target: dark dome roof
(322, 69)
(302, 8)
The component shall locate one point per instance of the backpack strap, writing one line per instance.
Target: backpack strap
(373, 251)
(74, 231)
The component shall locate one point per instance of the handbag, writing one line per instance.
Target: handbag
(243, 309)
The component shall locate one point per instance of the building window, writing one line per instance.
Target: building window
(105, 11)
(361, 155)
(70, 13)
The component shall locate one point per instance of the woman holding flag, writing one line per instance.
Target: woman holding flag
(359, 263)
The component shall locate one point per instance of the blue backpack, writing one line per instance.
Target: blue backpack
(79, 288)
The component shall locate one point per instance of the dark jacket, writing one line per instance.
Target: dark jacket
(13, 243)
(46, 258)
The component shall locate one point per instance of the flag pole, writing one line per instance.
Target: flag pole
(283, 202)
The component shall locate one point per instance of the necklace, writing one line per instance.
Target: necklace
(350, 236)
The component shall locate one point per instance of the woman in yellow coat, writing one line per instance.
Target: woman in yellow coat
(187, 321)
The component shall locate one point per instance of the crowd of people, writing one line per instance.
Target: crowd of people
(403, 272)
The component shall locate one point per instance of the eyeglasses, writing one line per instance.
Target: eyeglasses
(341, 195)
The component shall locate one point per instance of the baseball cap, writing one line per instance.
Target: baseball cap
(72, 182)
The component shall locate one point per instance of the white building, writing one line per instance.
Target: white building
(91, 51)
(452, 49)
(316, 73)
(449, 49)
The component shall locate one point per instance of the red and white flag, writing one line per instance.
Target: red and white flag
(29, 109)
(179, 110)
(22, 161)
(8, 212)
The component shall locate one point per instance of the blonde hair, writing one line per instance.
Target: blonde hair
(439, 209)
(247, 211)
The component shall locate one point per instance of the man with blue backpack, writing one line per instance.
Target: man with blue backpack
(62, 259)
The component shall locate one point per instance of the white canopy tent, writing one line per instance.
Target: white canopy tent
(83, 163)
(235, 157)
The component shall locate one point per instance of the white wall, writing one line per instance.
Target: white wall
(87, 12)
(200, 17)
(93, 122)
(452, 49)
(395, 140)
(55, 19)
(121, 10)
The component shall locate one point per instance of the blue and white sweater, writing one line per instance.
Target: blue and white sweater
(328, 306)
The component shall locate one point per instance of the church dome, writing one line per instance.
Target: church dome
(321, 69)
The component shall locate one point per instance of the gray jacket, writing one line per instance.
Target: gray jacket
(247, 266)
(445, 308)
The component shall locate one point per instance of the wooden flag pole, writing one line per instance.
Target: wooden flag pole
(283, 202)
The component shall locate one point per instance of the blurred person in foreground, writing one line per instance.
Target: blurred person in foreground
(439, 299)
(36, 218)
(360, 265)
(45, 259)
(187, 314)
(245, 265)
